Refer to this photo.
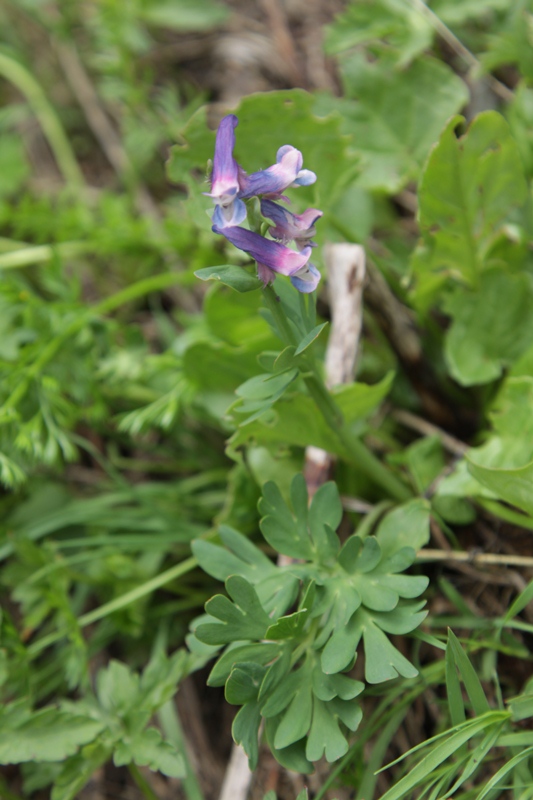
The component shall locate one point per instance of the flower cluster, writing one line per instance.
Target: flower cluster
(231, 186)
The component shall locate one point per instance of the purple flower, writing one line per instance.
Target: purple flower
(271, 257)
(226, 176)
(287, 171)
(300, 227)
(306, 279)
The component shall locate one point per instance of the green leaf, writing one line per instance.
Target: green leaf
(235, 277)
(296, 421)
(245, 731)
(405, 526)
(261, 653)
(500, 775)
(243, 619)
(491, 326)
(308, 340)
(468, 189)
(283, 531)
(47, 735)
(291, 757)
(445, 748)
(453, 689)
(381, 24)
(325, 514)
(325, 736)
(148, 749)
(240, 557)
(521, 707)
(397, 116)
(471, 681)
(244, 682)
(78, 769)
(296, 720)
(383, 662)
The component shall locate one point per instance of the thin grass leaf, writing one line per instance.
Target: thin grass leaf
(453, 688)
(470, 679)
(439, 754)
(503, 771)
(524, 598)
(476, 758)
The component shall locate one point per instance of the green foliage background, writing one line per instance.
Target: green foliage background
(144, 414)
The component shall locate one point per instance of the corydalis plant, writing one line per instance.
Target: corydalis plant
(231, 186)
(294, 631)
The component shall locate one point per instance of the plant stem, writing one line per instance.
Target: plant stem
(141, 782)
(273, 304)
(332, 414)
(171, 724)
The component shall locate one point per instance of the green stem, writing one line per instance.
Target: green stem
(325, 402)
(14, 72)
(171, 724)
(141, 782)
(273, 304)
(118, 603)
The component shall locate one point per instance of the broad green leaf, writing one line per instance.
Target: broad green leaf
(396, 115)
(240, 556)
(504, 464)
(234, 318)
(383, 662)
(405, 526)
(469, 188)
(243, 619)
(283, 531)
(425, 461)
(49, 734)
(235, 277)
(325, 736)
(291, 757)
(117, 687)
(515, 486)
(245, 731)
(289, 627)
(296, 720)
(244, 682)
(261, 653)
(491, 326)
(325, 514)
